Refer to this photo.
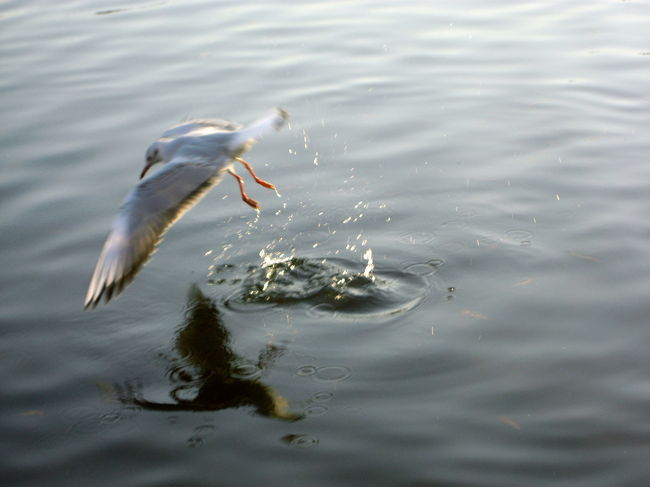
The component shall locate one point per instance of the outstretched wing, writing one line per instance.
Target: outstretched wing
(148, 211)
(271, 122)
(200, 125)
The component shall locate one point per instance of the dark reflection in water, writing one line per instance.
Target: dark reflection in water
(207, 375)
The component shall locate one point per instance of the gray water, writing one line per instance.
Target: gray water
(452, 288)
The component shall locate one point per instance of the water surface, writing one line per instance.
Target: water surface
(451, 289)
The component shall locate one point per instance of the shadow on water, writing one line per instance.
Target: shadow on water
(207, 375)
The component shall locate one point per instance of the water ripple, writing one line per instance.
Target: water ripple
(300, 441)
(322, 396)
(330, 287)
(424, 268)
(332, 373)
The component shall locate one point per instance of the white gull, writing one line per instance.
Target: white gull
(196, 155)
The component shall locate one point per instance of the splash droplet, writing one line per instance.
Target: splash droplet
(367, 272)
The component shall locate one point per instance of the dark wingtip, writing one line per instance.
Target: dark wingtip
(283, 113)
(90, 305)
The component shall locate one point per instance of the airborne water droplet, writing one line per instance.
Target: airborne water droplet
(367, 272)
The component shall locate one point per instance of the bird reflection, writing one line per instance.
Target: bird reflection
(207, 373)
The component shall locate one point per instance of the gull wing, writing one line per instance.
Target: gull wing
(148, 211)
(211, 125)
(271, 122)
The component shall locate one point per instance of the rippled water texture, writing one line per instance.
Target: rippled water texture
(450, 289)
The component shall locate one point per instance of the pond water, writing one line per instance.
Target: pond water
(451, 289)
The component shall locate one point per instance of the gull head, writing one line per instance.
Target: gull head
(153, 156)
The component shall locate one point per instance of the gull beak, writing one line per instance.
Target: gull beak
(145, 169)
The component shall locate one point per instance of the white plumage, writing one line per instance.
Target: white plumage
(196, 155)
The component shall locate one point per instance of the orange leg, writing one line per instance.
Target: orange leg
(266, 184)
(248, 200)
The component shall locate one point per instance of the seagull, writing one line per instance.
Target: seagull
(195, 156)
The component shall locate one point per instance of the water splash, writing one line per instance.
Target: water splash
(272, 271)
(370, 266)
(329, 287)
(270, 258)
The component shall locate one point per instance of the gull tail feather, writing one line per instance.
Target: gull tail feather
(266, 125)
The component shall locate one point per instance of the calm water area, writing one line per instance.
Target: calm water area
(451, 289)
